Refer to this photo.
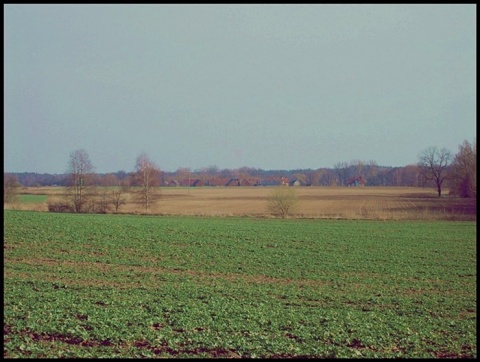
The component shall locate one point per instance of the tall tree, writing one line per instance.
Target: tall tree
(357, 167)
(433, 165)
(342, 172)
(464, 170)
(312, 177)
(10, 188)
(184, 175)
(147, 176)
(409, 176)
(80, 180)
(327, 177)
(370, 172)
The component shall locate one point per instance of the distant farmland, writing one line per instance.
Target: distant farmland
(377, 203)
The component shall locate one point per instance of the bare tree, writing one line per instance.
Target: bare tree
(282, 201)
(357, 167)
(80, 181)
(10, 188)
(370, 172)
(117, 196)
(327, 178)
(184, 175)
(342, 172)
(212, 170)
(464, 170)
(433, 165)
(108, 180)
(409, 176)
(147, 176)
(312, 177)
(102, 195)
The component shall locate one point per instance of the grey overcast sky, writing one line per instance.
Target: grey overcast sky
(264, 86)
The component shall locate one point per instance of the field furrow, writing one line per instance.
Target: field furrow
(137, 286)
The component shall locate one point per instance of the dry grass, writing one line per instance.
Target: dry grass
(380, 203)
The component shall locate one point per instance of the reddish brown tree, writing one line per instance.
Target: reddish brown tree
(464, 170)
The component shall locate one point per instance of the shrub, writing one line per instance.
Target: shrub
(60, 208)
(282, 201)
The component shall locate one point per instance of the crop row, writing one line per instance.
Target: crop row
(138, 286)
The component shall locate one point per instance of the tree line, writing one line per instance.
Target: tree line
(436, 167)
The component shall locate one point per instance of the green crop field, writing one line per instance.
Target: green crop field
(33, 199)
(84, 285)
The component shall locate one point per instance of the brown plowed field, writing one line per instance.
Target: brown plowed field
(313, 202)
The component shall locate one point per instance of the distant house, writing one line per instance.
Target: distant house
(356, 181)
(192, 183)
(233, 182)
(249, 182)
(242, 182)
(297, 182)
(197, 183)
(217, 181)
(245, 182)
(274, 181)
(173, 183)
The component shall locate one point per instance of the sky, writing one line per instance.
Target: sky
(234, 85)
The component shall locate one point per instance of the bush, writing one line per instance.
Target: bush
(60, 208)
(282, 201)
